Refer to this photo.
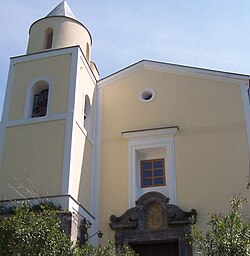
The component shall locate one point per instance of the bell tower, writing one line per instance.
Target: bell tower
(48, 118)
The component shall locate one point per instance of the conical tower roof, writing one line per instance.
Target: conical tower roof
(62, 9)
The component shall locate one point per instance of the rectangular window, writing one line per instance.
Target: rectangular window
(153, 173)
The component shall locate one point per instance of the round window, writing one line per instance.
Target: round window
(147, 95)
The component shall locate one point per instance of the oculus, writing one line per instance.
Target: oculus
(147, 95)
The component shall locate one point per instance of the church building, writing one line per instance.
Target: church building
(136, 154)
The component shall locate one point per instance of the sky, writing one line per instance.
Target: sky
(208, 34)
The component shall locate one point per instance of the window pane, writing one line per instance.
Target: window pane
(158, 181)
(147, 174)
(158, 164)
(147, 165)
(158, 173)
(148, 182)
(152, 173)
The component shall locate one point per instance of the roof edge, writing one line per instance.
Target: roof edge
(172, 68)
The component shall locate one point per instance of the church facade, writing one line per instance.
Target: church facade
(136, 153)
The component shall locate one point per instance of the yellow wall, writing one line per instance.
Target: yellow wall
(211, 151)
(25, 163)
(56, 68)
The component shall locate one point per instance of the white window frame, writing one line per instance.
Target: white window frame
(162, 138)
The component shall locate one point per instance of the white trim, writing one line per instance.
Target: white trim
(6, 106)
(150, 139)
(42, 55)
(194, 71)
(246, 108)
(26, 121)
(95, 182)
(30, 96)
(173, 69)
(8, 93)
(72, 120)
(69, 124)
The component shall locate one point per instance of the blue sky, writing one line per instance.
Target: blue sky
(209, 34)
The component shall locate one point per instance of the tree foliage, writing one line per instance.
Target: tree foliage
(37, 232)
(29, 232)
(108, 250)
(227, 235)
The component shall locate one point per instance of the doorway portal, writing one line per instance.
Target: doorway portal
(154, 227)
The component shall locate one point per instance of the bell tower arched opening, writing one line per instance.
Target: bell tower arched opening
(48, 38)
(87, 114)
(40, 99)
